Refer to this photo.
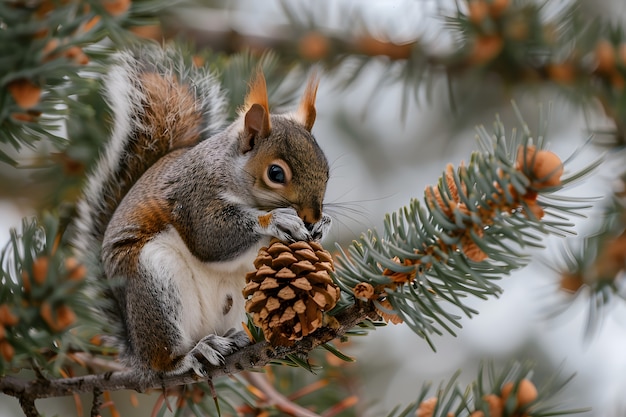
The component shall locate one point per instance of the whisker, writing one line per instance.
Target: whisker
(350, 208)
(366, 200)
(333, 165)
(356, 216)
(269, 200)
(351, 233)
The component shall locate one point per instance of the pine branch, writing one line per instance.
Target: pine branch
(510, 41)
(250, 357)
(471, 230)
(597, 263)
(509, 391)
(46, 64)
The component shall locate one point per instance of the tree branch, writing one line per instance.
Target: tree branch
(277, 399)
(256, 355)
(27, 403)
(96, 403)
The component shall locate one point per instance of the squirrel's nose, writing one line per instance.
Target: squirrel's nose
(310, 215)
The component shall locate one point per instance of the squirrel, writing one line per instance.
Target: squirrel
(179, 204)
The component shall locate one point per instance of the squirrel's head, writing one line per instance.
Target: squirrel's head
(287, 166)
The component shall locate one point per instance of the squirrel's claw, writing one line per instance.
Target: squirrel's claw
(286, 225)
(211, 349)
(319, 229)
(239, 338)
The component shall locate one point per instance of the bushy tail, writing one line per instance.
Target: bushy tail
(159, 101)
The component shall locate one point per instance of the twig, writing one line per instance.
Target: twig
(340, 406)
(276, 398)
(95, 362)
(28, 406)
(97, 402)
(308, 45)
(308, 389)
(252, 356)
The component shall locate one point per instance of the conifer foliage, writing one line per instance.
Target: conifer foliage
(469, 230)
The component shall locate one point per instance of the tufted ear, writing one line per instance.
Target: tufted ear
(257, 114)
(306, 113)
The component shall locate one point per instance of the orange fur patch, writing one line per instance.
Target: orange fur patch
(257, 93)
(148, 218)
(306, 111)
(265, 220)
(171, 110)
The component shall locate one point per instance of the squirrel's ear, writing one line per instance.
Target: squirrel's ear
(256, 125)
(306, 111)
(257, 113)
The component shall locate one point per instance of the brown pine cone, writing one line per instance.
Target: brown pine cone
(290, 290)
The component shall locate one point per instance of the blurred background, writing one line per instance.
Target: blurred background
(389, 130)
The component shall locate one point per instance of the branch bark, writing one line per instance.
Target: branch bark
(96, 403)
(253, 356)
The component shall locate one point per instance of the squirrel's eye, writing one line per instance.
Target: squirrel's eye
(276, 174)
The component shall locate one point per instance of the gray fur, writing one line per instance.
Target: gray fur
(205, 196)
(111, 178)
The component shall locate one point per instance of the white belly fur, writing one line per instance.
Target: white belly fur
(204, 286)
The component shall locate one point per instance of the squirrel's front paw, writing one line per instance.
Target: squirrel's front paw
(319, 229)
(284, 224)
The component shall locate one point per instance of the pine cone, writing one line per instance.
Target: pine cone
(290, 290)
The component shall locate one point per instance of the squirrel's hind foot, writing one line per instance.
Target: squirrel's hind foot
(211, 350)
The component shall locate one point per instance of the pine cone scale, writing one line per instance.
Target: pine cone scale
(302, 266)
(324, 298)
(321, 277)
(306, 254)
(268, 283)
(302, 283)
(273, 304)
(286, 293)
(257, 301)
(283, 259)
(285, 273)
